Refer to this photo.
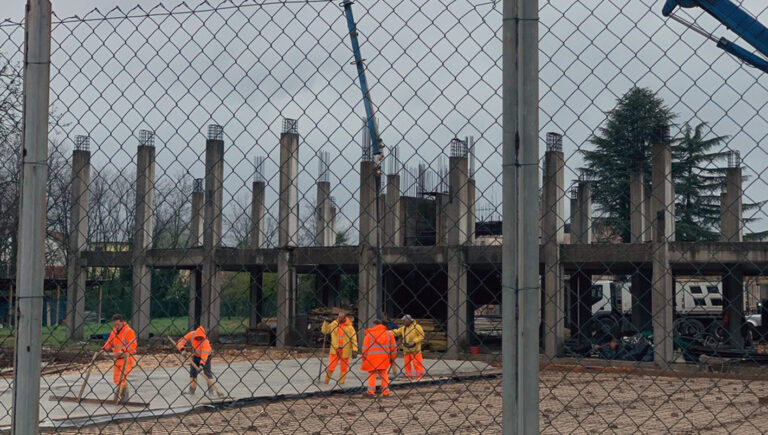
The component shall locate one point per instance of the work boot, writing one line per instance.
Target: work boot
(123, 395)
(342, 378)
(192, 387)
(213, 389)
(327, 378)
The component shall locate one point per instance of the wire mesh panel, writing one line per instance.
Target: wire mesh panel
(237, 252)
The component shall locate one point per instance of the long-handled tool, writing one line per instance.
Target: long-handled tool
(120, 385)
(81, 399)
(320, 368)
(211, 383)
(88, 374)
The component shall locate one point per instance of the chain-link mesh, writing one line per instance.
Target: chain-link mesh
(226, 251)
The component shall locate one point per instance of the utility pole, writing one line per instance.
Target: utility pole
(31, 237)
(520, 263)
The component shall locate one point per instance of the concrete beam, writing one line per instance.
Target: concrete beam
(144, 226)
(663, 294)
(393, 236)
(553, 199)
(732, 222)
(78, 239)
(325, 233)
(212, 228)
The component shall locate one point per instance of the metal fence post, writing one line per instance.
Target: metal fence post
(510, 219)
(32, 210)
(528, 159)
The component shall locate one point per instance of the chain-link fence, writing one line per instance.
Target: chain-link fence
(286, 216)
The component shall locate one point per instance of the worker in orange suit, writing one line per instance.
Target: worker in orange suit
(343, 345)
(201, 358)
(413, 335)
(122, 344)
(379, 351)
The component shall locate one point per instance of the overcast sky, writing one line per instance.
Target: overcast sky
(435, 72)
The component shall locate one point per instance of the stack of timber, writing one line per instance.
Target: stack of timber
(488, 325)
(434, 335)
(318, 315)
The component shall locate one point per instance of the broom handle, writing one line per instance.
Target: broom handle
(87, 374)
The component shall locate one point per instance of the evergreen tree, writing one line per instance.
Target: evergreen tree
(698, 181)
(624, 143)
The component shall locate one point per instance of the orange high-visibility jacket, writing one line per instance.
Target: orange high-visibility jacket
(379, 348)
(200, 344)
(123, 340)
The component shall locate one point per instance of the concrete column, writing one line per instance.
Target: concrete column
(456, 229)
(367, 302)
(441, 211)
(732, 224)
(256, 297)
(196, 240)
(288, 232)
(579, 301)
(325, 234)
(457, 330)
(583, 213)
(471, 210)
(733, 305)
(553, 191)
(256, 240)
(662, 195)
(78, 236)
(637, 206)
(197, 212)
(257, 215)
(663, 296)
(289, 190)
(392, 232)
(144, 227)
(641, 293)
(649, 216)
(575, 225)
(210, 279)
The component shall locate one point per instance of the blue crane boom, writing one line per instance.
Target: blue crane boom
(377, 150)
(735, 19)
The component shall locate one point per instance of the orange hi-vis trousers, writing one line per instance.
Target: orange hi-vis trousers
(117, 372)
(414, 365)
(333, 361)
(384, 373)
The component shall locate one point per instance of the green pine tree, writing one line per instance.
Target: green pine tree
(698, 181)
(623, 143)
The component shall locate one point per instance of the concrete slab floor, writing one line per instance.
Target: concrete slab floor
(161, 387)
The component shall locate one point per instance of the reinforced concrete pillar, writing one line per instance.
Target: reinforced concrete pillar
(553, 192)
(212, 220)
(637, 206)
(78, 237)
(663, 297)
(256, 297)
(456, 228)
(732, 224)
(441, 211)
(256, 240)
(663, 195)
(196, 240)
(288, 232)
(471, 210)
(368, 299)
(392, 232)
(582, 234)
(325, 234)
(144, 227)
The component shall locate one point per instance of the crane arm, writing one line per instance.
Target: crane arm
(735, 19)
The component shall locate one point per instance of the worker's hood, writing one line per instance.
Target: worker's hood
(199, 333)
(377, 330)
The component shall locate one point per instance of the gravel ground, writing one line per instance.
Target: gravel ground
(589, 403)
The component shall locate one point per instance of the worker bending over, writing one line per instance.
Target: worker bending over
(201, 358)
(343, 345)
(412, 334)
(122, 344)
(379, 350)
